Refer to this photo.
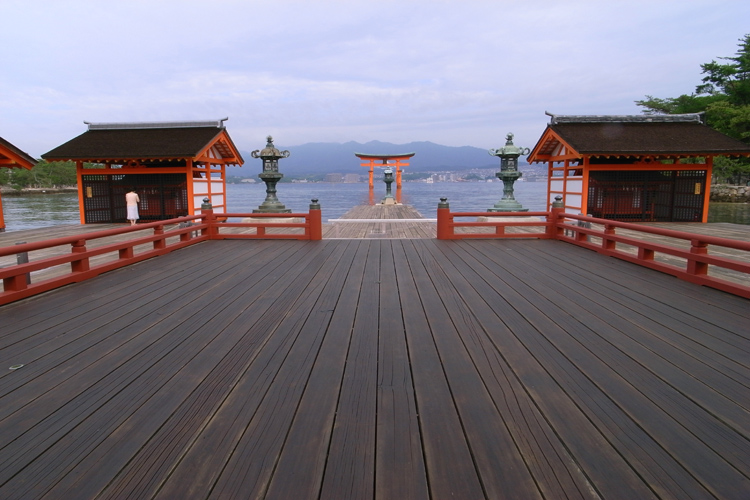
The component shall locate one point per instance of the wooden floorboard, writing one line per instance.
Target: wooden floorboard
(376, 368)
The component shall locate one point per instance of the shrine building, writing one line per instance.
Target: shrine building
(633, 167)
(172, 166)
(12, 157)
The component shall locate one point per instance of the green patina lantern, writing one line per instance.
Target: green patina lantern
(271, 175)
(388, 179)
(509, 174)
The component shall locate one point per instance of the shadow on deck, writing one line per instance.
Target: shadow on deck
(376, 369)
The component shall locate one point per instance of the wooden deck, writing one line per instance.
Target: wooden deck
(377, 368)
(394, 221)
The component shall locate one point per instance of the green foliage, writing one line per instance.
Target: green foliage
(677, 105)
(473, 177)
(731, 80)
(43, 175)
(724, 96)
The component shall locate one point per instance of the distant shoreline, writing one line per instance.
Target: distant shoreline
(9, 191)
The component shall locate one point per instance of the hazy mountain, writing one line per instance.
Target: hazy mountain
(326, 157)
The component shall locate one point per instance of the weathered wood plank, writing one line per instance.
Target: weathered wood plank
(250, 330)
(499, 463)
(164, 356)
(651, 402)
(350, 471)
(238, 414)
(400, 469)
(553, 468)
(442, 430)
(259, 373)
(305, 455)
(567, 406)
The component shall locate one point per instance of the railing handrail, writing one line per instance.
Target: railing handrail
(93, 235)
(696, 258)
(556, 222)
(672, 233)
(16, 278)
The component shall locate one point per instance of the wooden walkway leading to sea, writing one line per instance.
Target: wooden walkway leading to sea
(376, 368)
(398, 221)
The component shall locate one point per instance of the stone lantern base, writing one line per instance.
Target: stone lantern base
(271, 205)
(508, 203)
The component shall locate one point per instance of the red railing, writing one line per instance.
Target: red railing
(686, 256)
(446, 224)
(77, 258)
(312, 226)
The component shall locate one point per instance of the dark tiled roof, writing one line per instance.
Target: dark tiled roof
(145, 143)
(647, 138)
(6, 147)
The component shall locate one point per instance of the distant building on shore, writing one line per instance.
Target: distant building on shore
(335, 177)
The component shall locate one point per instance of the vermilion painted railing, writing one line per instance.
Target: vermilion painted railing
(446, 224)
(697, 259)
(149, 240)
(312, 226)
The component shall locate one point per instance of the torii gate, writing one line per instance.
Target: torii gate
(383, 162)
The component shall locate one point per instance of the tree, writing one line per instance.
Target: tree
(42, 175)
(724, 96)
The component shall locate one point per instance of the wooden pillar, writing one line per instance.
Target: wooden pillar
(2, 219)
(585, 185)
(707, 193)
(190, 190)
(81, 194)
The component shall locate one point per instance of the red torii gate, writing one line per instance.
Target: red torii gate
(383, 162)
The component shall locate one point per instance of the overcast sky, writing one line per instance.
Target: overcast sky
(454, 72)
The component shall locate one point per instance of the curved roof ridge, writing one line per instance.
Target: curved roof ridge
(147, 125)
(681, 118)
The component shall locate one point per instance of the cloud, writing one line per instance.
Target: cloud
(457, 73)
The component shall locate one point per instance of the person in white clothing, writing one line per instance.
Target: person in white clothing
(132, 200)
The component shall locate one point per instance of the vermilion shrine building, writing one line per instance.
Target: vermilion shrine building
(633, 168)
(12, 157)
(172, 166)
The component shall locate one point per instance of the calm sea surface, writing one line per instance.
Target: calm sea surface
(36, 211)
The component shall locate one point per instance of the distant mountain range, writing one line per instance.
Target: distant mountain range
(328, 157)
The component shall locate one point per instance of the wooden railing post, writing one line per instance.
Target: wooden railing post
(80, 265)
(315, 221)
(444, 220)
(125, 253)
(23, 258)
(160, 243)
(185, 236)
(697, 247)
(210, 219)
(608, 244)
(555, 214)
